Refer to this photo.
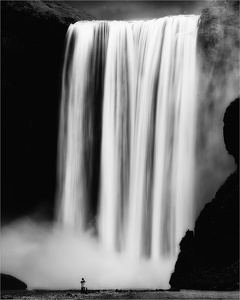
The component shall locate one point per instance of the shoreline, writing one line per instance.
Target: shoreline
(117, 294)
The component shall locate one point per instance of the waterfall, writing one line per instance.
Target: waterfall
(128, 133)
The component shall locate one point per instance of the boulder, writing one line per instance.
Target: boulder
(9, 282)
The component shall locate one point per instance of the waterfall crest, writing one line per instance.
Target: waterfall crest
(128, 133)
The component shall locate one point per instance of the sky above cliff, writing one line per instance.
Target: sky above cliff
(135, 10)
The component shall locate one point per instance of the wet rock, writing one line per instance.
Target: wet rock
(9, 282)
(69, 295)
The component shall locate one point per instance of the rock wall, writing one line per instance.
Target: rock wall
(218, 34)
(209, 256)
(33, 41)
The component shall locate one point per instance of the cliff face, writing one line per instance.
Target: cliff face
(218, 33)
(209, 256)
(33, 40)
(218, 63)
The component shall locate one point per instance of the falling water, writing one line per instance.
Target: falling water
(128, 133)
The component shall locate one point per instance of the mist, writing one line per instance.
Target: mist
(218, 58)
(214, 164)
(137, 10)
(44, 256)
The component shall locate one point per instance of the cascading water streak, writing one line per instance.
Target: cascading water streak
(128, 133)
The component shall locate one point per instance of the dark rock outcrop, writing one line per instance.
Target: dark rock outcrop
(33, 41)
(209, 256)
(9, 282)
(231, 130)
(218, 58)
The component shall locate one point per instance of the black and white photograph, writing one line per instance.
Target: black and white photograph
(120, 149)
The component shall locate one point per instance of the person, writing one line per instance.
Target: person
(83, 288)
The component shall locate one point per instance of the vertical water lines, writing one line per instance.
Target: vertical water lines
(129, 108)
(116, 135)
